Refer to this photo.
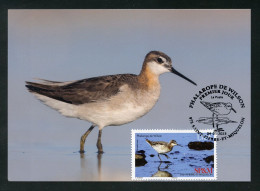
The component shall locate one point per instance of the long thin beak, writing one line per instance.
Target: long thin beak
(179, 74)
(233, 110)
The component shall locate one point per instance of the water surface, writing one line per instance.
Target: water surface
(41, 163)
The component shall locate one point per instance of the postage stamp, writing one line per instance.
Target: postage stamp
(219, 107)
(173, 155)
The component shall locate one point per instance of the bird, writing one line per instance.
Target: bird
(110, 100)
(162, 147)
(162, 173)
(219, 108)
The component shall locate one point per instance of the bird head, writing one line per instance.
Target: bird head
(159, 63)
(229, 107)
(173, 143)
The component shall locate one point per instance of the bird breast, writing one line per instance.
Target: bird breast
(161, 148)
(126, 106)
(221, 110)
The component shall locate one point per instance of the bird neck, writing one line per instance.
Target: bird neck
(147, 78)
(170, 145)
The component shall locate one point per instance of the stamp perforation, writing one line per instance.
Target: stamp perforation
(133, 131)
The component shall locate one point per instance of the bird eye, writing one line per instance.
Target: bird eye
(159, 60)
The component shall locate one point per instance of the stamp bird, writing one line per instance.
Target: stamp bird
(162, 173)
(107, 100)
(162, 147)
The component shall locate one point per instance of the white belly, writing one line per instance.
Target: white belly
(120, 109)
(161, 148)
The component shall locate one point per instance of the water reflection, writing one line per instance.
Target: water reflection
(99, 157)
(85, 166)
(162, 173)
(82, 161)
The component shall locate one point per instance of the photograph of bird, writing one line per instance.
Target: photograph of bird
(110, 100)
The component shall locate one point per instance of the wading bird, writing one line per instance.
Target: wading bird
(107, 100)
(162, 147)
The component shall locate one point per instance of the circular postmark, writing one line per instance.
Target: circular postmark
(217, 107)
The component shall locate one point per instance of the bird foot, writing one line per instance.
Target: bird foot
(166, 156)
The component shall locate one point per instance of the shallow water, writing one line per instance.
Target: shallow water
(182, 160)
(41, 163)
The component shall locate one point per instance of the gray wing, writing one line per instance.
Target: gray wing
(156, 142)
(211, 106)
(159, 143)
(208, 105)
(83, 91)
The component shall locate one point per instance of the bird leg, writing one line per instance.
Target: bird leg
(99, 145)
(159, 166)
(83, 138)
(213, 122)
(159, 157)
(217, 122)
(166, 156)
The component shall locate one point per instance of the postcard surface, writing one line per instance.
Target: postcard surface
(129, 95)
